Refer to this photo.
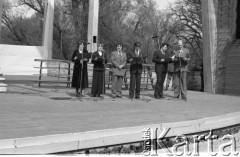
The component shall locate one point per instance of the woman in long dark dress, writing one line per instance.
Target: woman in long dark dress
(80, 73)
(99, 59)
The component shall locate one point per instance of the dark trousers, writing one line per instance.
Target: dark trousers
(180, 84)
(135, 83)
(161, 75)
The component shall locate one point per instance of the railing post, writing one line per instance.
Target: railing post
(69, 73)
(40, 74)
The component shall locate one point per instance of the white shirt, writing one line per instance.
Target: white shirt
(120, 53)
(163, 52)
(137, 53)
(181, 51)
(100, 53)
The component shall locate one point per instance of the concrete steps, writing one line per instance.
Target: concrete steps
(3, 86)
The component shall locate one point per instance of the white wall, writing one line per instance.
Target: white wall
(19, 60)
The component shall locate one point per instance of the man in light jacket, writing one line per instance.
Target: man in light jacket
(119, 60)
(181, 60)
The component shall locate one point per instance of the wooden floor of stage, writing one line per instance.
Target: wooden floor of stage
(27, 111)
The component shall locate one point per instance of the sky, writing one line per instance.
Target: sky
(163, 4)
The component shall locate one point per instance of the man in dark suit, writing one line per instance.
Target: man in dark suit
(119, 60)
(136, 65)
(181, 59)
(161, 60)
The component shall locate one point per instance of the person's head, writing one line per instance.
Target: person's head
(100, 47)
(119, 47)
(137, 45)
(81, 45)
(180, 44)
(164, 46)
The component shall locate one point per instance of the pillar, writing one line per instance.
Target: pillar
(93, 25)
(48, 28)
(209, 21)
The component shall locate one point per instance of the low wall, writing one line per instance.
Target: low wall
(109, 137)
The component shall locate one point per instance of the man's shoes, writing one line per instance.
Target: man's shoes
(159, 97)
(137, 97)
(185, 99)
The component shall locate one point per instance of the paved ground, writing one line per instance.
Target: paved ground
(26, 110)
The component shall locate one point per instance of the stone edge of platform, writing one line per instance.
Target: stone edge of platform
(100, 138)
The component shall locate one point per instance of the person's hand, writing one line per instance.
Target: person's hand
(95, 58)
(184, 58)
(120, 66)
(81, 61)
(131, 60)
(85, 59)
(75, 58)
(162, 60)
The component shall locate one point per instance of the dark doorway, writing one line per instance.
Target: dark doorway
(238, 21)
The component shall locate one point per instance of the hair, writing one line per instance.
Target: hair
(100, 44)
(137, 44)
(81, 42)
(164, 44)
(119, 44)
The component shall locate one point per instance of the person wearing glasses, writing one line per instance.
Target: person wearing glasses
(118, 59)
(181, 61)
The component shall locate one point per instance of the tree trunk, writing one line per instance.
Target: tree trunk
(1, 8)
(75, 15)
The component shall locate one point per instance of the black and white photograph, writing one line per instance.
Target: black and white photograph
(120, 77)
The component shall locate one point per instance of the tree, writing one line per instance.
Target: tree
(24, 30)
(18, 26)
(131, 21)
(188, 25)
(125, 21)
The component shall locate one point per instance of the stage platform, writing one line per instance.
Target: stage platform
(28, 111)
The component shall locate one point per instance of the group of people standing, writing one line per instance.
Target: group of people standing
(179, 58)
